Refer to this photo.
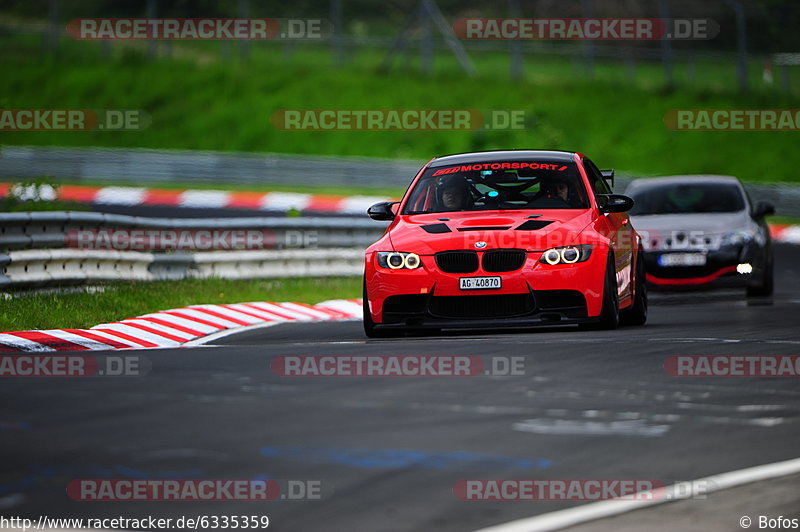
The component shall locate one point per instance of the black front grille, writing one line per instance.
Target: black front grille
(496, 306)
(457, 261)
(503, 260)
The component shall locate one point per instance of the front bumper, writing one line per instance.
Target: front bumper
(496, 323)
(536, 294)
(720, 271)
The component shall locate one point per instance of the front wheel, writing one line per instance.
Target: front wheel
(369, 325)
(637, 314)
(767, 285)
(609, 313)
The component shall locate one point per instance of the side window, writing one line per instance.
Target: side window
(599, 185)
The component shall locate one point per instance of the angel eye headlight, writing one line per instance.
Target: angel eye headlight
(551, 256)
(566, 255)
(570, 255)
(411, 261)
(396, 260)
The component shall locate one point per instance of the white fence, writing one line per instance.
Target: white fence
(37, 251)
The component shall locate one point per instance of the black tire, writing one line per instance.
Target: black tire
(767, 285)
(609, 312)
(637, 314)
(369, 325)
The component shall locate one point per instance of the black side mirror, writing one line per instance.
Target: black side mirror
(614, 203)
(382, 211)
(763, 208)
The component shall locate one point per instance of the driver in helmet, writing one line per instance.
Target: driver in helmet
(559, 190)
(453, 193)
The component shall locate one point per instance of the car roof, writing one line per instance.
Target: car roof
(502, 155)
(684, 179)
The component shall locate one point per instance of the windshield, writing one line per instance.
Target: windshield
(687, 198)
(498, 185)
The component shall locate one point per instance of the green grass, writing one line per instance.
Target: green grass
(41, 206)
(199, 102)
(120, 301)
(783, 220)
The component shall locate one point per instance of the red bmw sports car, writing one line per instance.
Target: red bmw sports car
(505, 239)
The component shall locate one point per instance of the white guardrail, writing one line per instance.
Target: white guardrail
(72, 266)
(34, 252)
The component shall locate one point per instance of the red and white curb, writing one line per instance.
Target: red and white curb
(203, 199)
(785, 234)
(178, 326)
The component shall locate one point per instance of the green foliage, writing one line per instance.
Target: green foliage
(198, 101)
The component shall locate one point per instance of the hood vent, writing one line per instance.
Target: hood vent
(532, 225)
(436, 228)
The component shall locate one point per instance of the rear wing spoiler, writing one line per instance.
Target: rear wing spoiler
(608, 175)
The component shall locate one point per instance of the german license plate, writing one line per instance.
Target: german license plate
(682, 259)
(479, 283)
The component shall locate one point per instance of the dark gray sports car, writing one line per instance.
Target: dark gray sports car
(702, 231)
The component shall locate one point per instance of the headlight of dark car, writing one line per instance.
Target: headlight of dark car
(738, 238)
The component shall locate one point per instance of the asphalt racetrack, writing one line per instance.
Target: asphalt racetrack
(387, 451)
